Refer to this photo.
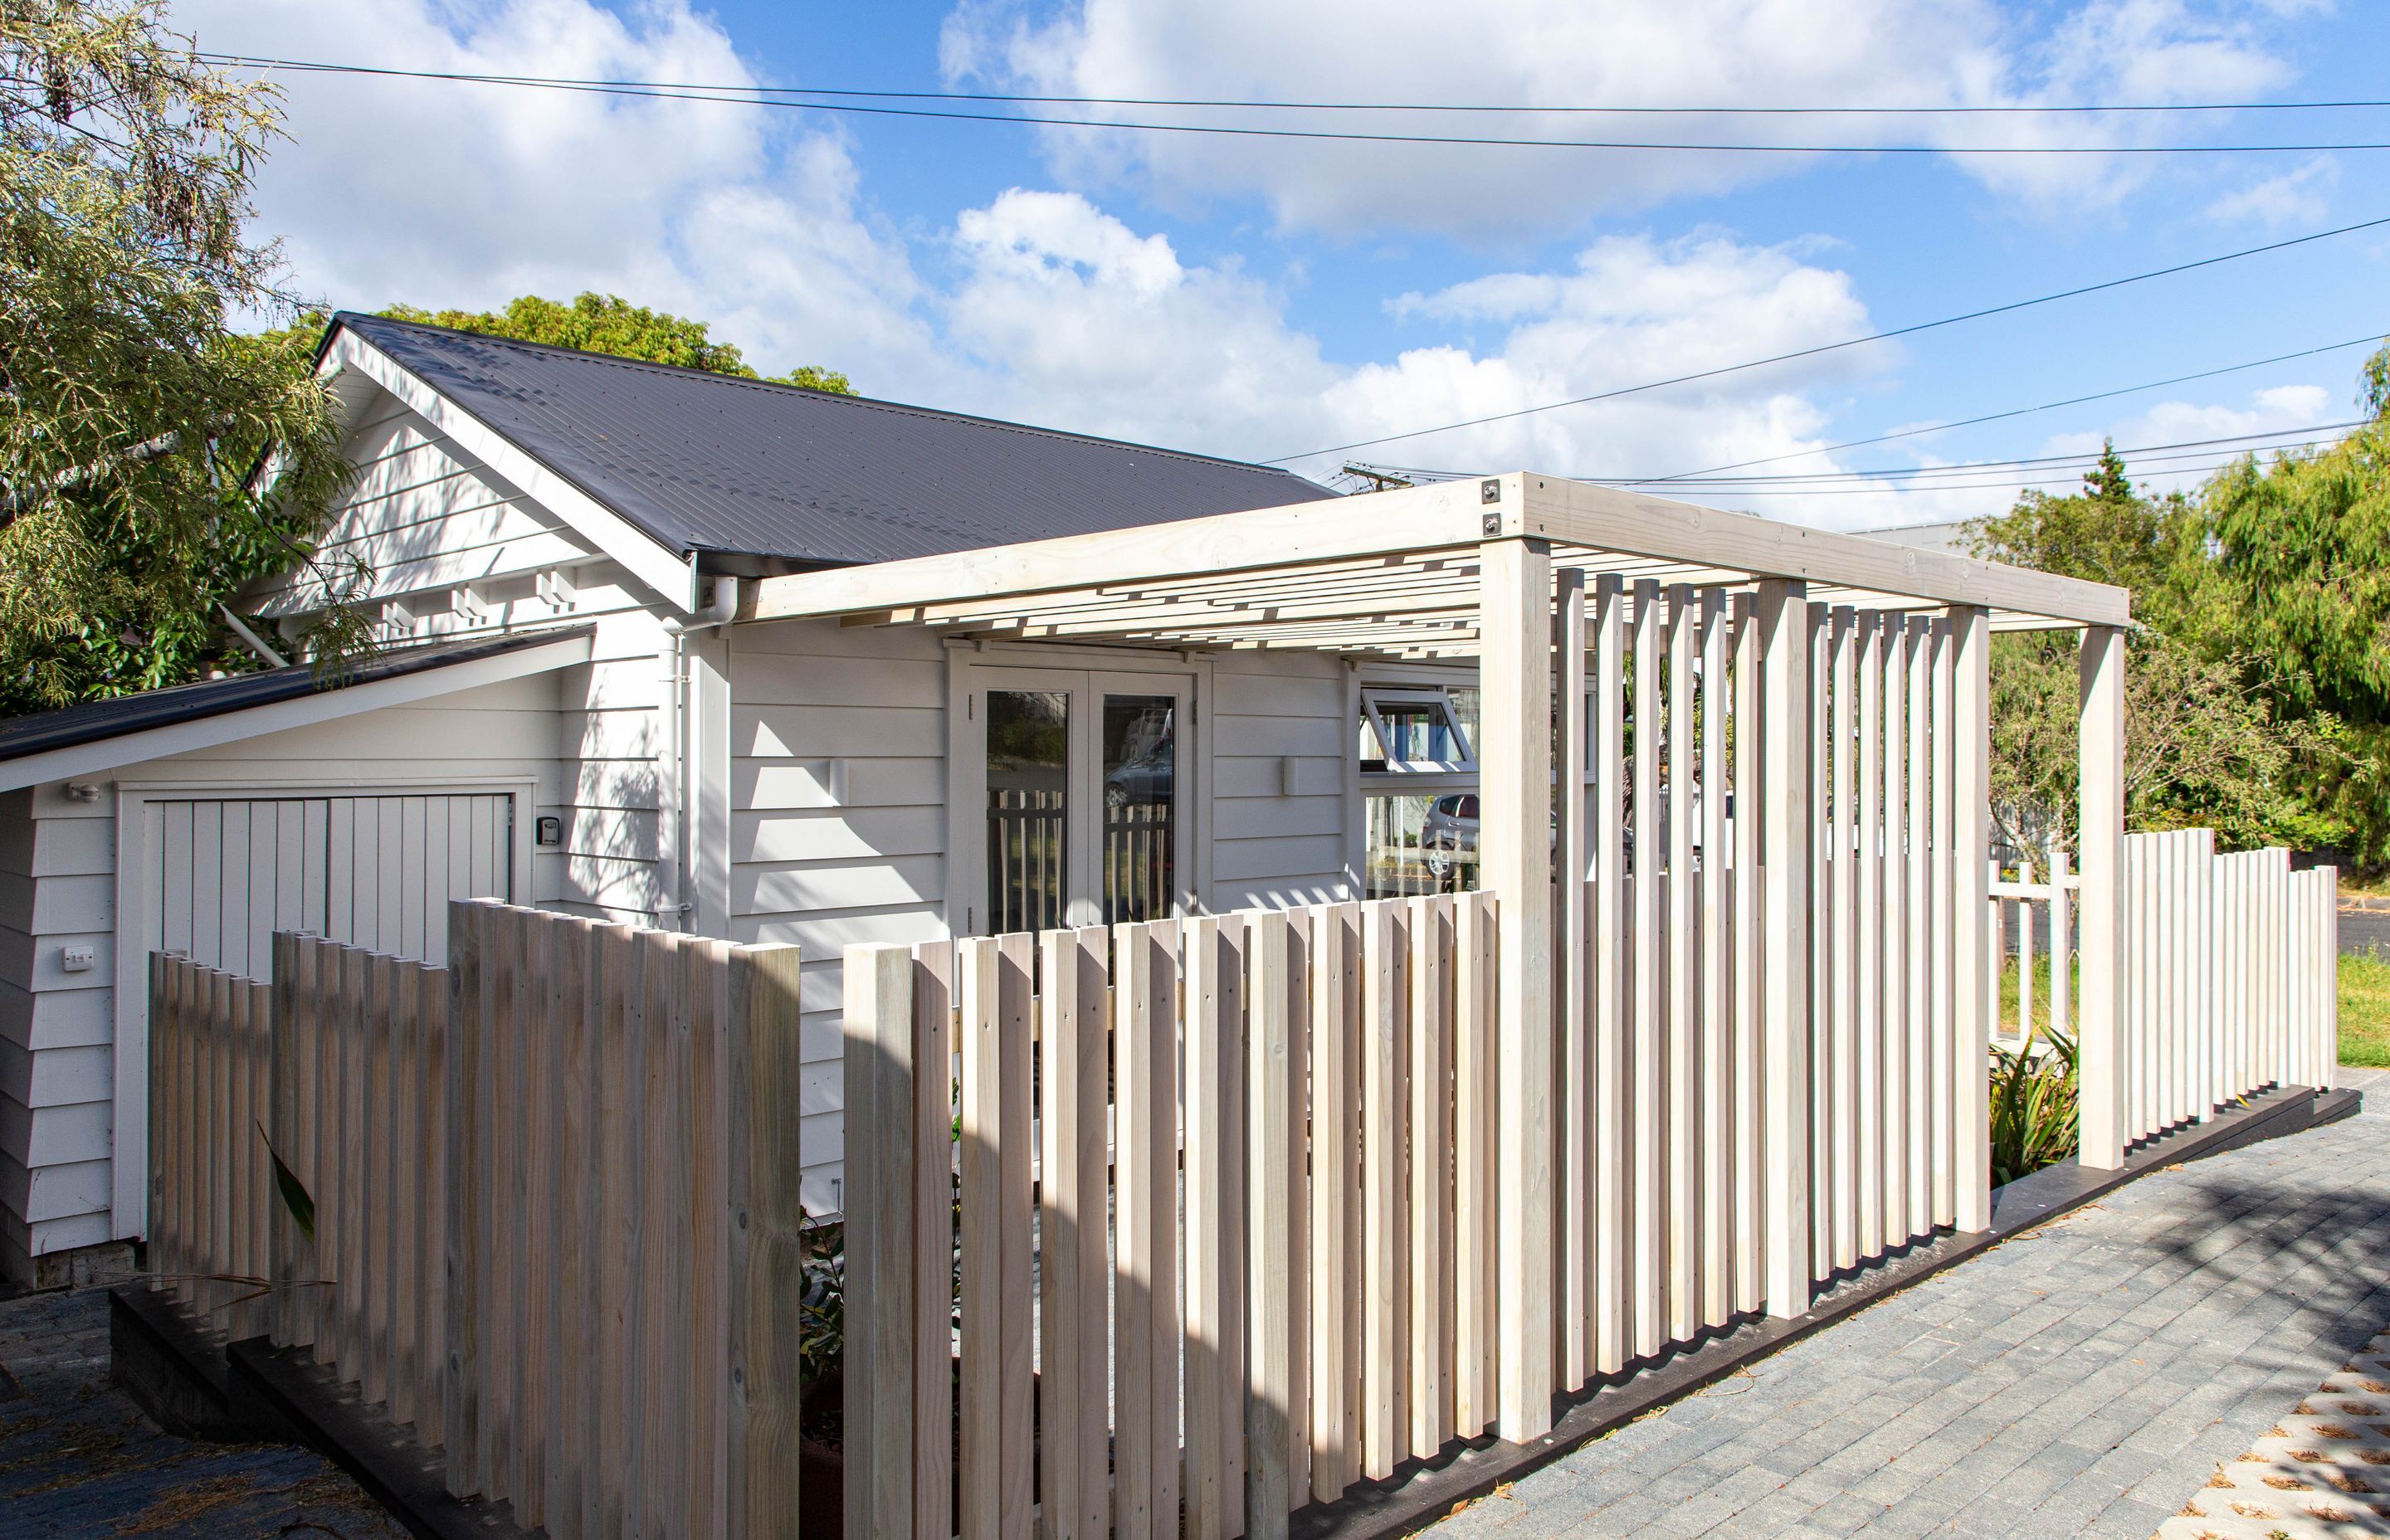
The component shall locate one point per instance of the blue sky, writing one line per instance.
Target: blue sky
(1257, 298)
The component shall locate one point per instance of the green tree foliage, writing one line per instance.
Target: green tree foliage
(2303, 554)
(606, 323)
(2204, 744)
(130, 413)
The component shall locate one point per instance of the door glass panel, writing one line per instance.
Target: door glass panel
(1028, 777)
(1140, 808)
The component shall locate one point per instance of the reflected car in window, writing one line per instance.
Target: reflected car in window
(1449, 831)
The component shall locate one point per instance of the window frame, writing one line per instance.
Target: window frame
(1437, 695)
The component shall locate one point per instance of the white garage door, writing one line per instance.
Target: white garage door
(222, 874)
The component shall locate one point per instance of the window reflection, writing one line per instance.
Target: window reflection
(1028, 779)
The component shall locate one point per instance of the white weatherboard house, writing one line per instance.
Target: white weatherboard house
(761, 663)
(563, 718)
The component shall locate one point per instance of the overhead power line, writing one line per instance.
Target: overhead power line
(1925, 478)
(748, 96)
(2018, 482)
(1511, 109)
(2138, 455)
(2370, 339)
(1835, 347)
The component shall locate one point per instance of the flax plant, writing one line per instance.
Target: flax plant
(2032, 1105)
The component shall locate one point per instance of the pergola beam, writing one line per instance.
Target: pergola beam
(1606, 519)
(1381, 559)
(1391, 524)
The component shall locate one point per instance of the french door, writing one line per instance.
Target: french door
(1085, 815)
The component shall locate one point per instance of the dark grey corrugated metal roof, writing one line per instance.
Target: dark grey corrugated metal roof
(96, 720)
(709, 462)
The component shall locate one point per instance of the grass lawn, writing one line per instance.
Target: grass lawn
(2364, 1009)
(2364, 1005)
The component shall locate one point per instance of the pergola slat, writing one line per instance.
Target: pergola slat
(1397, 573)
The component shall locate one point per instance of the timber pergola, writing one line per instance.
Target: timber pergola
(1398, 572)
(1541, 580)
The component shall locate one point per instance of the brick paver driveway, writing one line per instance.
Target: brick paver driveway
(2087, 1378)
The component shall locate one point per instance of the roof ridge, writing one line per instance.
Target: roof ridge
(352, 318)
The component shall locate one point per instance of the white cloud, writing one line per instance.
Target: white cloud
(1063, 305)
(444, 195)
(2168, 447)
(1045, 308)
(2294, 197)
(2276, 409)
(1630, 53)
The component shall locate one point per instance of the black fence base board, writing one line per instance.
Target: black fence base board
(1421, 1493)
(170, 1361)
(393, 1469)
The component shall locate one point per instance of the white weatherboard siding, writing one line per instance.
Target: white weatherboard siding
(60, 1090)
(610, 733)
(57, 1066)
(458, 551)
(815, 872)
(424, 517)
(1279, 723)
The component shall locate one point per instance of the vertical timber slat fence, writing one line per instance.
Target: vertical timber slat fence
(1212, 1200)
(2231, 977)
(556, 1224)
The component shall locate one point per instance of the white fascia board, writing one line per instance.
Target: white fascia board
(327, 705)
(671, 575)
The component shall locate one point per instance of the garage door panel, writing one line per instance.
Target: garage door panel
(235, 878)
(221, 875)
(206, 880)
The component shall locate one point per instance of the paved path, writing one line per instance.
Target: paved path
(2087, 1378)
(2317, 1474)
(77, 1459)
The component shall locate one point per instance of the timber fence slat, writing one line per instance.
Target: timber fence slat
(1681, 1229)
(1718, 1148)
(1210, 1055)
(1646, 1109)
(1073, 1197)
(1428, 1140)
(1612, 1005)
(1473, 1133)
(1893, 889)
(1840, 1193)
(1382, 1241)
(1337, 1329)
(1749, 1278)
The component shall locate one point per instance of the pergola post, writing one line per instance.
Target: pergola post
(1515, 863)
(2099, 851)
(1783, 811)
(1975, 955)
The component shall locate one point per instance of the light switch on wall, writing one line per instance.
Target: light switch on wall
(78, 959)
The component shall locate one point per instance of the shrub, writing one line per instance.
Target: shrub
(2032, 1107)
